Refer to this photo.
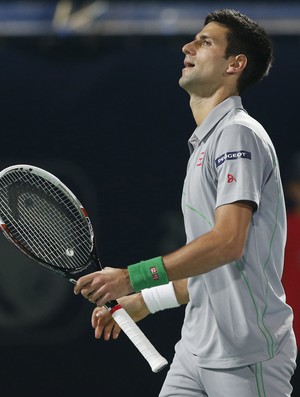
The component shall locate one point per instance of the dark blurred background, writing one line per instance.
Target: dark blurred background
(89, 91)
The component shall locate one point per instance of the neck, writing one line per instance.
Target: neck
(201, 106)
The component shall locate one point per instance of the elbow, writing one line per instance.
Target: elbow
(234, 251)
(237, 254)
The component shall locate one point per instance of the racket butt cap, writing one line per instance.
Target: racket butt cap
(159, 364)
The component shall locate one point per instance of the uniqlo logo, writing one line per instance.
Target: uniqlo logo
(154, 273)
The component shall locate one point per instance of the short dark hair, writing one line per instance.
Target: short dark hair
(245, 37)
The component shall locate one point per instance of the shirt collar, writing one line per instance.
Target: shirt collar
(213, 118)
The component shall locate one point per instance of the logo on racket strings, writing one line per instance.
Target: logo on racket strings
(70, 252)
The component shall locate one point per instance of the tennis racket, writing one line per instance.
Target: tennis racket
(45, 220)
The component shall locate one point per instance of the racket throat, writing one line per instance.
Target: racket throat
(93, 266)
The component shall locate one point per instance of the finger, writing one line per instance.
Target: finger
(94, 294)
(88, 293)
(101, 320)
(85, 281)
(95, 316)
(99, 330)
(116, 331)
(108, 330)
(104, 326)
(81, 283)
(102, 300)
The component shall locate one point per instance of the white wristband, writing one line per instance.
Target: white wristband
(160, 298)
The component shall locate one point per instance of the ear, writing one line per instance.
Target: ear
(237, 64)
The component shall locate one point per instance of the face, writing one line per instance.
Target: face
(205, 65)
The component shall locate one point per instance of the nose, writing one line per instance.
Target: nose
(188, 48)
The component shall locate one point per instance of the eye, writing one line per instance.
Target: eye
(206, 43)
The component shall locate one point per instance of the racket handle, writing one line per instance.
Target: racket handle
(138, 338)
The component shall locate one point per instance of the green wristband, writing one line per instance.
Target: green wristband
(148, 274)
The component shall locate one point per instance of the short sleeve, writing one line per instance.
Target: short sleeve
(239, 163)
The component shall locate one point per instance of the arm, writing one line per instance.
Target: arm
(223, 244)
(181, 291)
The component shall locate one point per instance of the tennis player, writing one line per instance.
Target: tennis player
(237, 337)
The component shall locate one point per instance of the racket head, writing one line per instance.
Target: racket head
(45, 220)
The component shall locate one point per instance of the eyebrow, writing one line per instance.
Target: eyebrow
(203, 37)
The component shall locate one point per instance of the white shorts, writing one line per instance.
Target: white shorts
(266, 379)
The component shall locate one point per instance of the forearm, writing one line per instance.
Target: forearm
(200, 256)
(223, 244)
(181, 291)
(134, 305)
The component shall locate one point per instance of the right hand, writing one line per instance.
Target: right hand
(104, 324)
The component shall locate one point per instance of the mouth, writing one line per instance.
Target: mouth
(188, 64)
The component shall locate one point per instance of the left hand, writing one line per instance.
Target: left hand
(106, 327)
(105, 285)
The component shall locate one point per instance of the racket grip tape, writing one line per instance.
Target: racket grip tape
(138, 338)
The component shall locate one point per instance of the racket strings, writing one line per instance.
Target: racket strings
(43, 218)
(56, 230)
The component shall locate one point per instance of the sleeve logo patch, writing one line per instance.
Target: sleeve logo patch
(240, 154)
(230, 178)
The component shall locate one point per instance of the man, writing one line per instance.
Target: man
(237, 338)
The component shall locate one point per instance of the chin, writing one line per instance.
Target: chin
(184, 84)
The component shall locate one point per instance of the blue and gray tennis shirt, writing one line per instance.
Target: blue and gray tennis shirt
(237, 313)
